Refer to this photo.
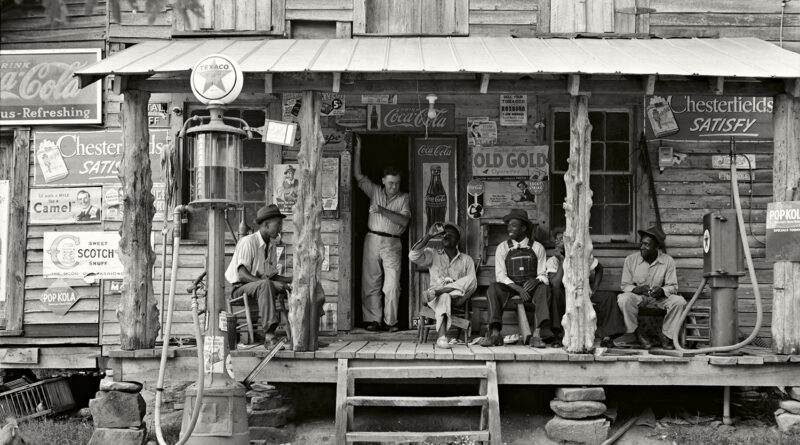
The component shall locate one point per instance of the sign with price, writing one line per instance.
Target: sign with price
(513, 110)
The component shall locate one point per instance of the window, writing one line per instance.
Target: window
(253, 179)
(611, 175)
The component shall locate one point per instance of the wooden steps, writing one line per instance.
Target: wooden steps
(487, 399)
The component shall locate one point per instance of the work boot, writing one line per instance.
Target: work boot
(666, 342)
(373, 326)
(646, 344)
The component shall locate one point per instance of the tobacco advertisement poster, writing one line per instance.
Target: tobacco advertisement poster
(332, 105)
(709, 117)
(78, 255)
(516, 194)
(65, 205)
(38, 87)
(783, 231)
(513, 110)
(72, 158)
(286, 185)
(4, 213)
(435, 159)
(481, 131)
(114, 207)
(528, 161)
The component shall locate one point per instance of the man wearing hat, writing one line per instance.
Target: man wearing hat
(649, 279)
(389, 214)
(519, 266)
(452, 275)
(253, 271)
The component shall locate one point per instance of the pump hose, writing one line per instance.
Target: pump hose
(164, 349)
(750, 269)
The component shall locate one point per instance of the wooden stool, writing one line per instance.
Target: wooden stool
(424, 329)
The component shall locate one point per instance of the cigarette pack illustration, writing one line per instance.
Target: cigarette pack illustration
(51, 163)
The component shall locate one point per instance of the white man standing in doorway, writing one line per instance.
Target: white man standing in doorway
(389, 214)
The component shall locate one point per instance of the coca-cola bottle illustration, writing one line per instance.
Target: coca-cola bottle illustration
(435, 198)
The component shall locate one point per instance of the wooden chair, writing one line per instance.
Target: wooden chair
(244, 325)
(427, 323)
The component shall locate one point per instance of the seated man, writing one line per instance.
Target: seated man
(609, 318)
(519, 266)
(452, 275)
(253, 271)
(649, 279)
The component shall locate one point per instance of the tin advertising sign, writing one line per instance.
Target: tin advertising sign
(65, 205)
(515, 162)
(59, 297)
(78, 255)
(783, 231)
(708, 117)
(87, 157)
(37, 87)
(410, 118)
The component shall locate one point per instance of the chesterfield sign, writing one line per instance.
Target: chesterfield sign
(37, 87)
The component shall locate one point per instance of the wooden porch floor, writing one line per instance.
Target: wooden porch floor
(516, 365)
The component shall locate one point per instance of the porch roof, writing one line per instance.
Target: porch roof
(726, 57)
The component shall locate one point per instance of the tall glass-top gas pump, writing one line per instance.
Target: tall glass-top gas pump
(214, 144)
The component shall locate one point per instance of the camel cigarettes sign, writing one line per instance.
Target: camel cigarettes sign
(59, 297)
(37, 87)
(783, 231)
(79, 255)
(88, 157)
(64, 205)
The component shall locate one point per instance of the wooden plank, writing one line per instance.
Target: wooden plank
(502, 18)
(416, 437)
(462, 352)
(349, 351)
(405, 16)
(17, 229)
(416, 402)
(750, 360)
(481, 353)
(319, 4)
(721, 6)
(543, 17)
(68, 357)
(524, 353)
(722, 361)
(359, 17)
(461, 16)
(418, 372)
(341, 401)
(624, 22)
(377, 17)
(501, 353)
(29, 356)
(263, 15)
(600, 16)
(333, 15)
(387, 351)
(503, 5)
(406, 351)
(279, 16)
(494, 404)
(581, 357)
(424, 351)
(442, 354)
(369, 350)
(245, 19)
(549, 354)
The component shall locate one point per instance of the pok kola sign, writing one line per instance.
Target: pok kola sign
(59, 297)
(216, 80)
(81, 255)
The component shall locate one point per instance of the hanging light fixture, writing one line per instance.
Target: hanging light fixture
(431, 106)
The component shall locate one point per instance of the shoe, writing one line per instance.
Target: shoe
(627, 341)
(272, 343)
(607, 342)
(646, 344)
(373, 326)
(492, 340)
(392, 328)
(443, 343)
(666, 343)
(536, 342)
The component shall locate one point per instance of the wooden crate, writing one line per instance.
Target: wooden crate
(37, 399)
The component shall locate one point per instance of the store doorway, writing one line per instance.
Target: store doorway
(379, 151)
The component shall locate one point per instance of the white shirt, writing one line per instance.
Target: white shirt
(458, 273)
(377, 197)
(553, 262)
(251, 252)
(500, 272)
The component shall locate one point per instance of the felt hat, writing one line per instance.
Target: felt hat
(268, 212)
(290, 168)
(656, 233)
(454, 227)
(521, 215)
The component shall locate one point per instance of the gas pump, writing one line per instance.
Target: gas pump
(723, 264)
(216, 399)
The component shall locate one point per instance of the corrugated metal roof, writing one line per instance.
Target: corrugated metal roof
(728, 57)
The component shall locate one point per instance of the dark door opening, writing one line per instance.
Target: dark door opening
(379, 151)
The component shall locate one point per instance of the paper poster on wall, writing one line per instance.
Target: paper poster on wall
(79, 255)
(326, 258)
(783, 231)
(660, 116)
(528, 161)
(4, 214)
(513, 110)
(509, 194)
(475, 191)
(378, 99)
(285, 186)
(114, 208)
(330, 183)
(332, 105)
(65, 205)
(328, 322)
(77, 158)
(481, 132)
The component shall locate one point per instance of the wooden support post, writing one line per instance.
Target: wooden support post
(484, 83)
(17, 240)
(573, 84)
(337, 82)
(792, 87)
(580, 321)
(268, 83)
(307, 261)
(786, 187)
(137, 312)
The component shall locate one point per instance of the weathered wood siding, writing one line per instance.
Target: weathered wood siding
(411, 17)
(233, 17)
(502, 18)
(27, 26)
(727, 18)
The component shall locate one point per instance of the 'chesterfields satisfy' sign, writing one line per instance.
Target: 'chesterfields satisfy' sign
(37, 87)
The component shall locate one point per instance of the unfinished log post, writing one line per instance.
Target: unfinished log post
(307, 259)
(137, 312)
(786, 187)
(579, 320)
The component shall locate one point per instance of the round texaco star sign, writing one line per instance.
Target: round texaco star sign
(216, 80)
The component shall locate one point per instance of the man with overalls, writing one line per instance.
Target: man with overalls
(519, 267)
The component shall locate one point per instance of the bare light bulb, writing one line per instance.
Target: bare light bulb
(431, 110)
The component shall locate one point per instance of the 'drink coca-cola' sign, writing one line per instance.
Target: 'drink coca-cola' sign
(410, 118)
(37, 87)
(435, 163)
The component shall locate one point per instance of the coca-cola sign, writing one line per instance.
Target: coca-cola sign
(435, 149)
(37, 87)
(410, 118)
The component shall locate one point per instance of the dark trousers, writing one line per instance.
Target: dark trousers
(609, 318)
(499, 295)
(272, 301)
